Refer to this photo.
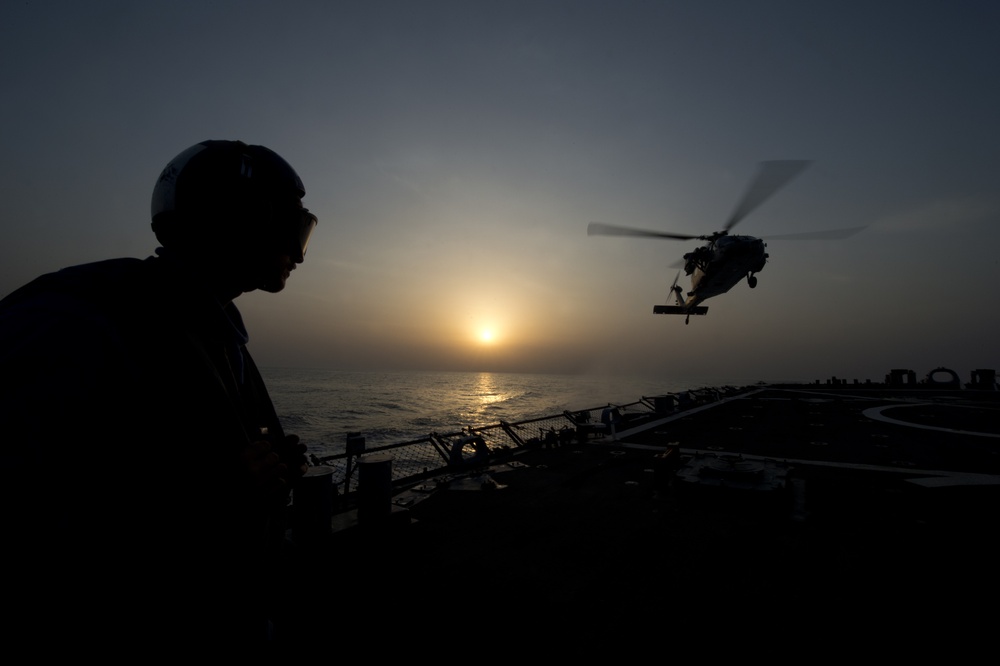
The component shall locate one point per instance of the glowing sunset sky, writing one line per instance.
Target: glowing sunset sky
(456, 151)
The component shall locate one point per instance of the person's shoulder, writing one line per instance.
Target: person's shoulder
(109, 270)
(93, 282)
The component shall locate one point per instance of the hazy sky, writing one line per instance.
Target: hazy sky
(456, 151)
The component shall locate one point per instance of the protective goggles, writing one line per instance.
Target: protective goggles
(303, 229)
(286, 227)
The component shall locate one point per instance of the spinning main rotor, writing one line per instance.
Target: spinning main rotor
(771, 177)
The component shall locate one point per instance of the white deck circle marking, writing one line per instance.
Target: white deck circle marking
(875, 413)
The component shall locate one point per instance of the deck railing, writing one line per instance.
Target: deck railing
(437, 453)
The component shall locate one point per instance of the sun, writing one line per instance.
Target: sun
(486, 335)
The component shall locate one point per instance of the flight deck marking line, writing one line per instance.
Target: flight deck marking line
(934, 478)
(875, 413)
(613, 439)
(673, 417)
(930, 478)
(941, 477)
(839, 396)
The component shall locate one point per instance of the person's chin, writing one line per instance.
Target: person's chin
(273, 288)
(273, 285)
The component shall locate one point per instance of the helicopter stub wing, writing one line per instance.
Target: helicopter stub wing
(680, 310)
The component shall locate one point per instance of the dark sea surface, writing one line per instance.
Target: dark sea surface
(323, 406)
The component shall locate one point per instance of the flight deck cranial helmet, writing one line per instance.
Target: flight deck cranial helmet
(220, 195)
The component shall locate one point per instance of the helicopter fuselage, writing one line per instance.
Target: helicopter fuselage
(717, 267)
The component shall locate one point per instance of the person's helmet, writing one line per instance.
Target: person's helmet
(220, 194)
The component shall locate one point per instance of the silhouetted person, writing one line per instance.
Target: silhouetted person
(146, 469)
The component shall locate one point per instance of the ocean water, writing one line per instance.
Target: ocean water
(323, 406)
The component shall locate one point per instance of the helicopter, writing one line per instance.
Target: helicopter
(725, 259)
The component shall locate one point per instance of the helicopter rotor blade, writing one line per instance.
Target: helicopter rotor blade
(829, 234)
(771, 177)
(599, 229)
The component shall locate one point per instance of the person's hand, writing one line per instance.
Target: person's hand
(271, 470)
(293, 456)
(262, 466)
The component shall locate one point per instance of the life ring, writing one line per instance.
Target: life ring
(953, 382)
(482, 451)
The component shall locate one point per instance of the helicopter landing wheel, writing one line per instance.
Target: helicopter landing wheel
(752, 281)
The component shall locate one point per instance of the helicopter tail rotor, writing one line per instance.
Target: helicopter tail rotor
(676, 290)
